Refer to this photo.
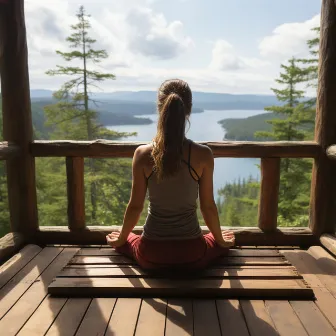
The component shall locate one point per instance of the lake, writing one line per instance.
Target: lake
(204, 127)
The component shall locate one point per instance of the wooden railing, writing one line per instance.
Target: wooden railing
(270, 153)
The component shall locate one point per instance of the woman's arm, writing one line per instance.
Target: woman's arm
(138, 194)
(207, 202)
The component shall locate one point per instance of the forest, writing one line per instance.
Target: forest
(71, 114)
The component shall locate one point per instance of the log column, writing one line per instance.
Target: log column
(17, 120)
(323, 200)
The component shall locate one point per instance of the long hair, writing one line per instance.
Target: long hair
(174, 107)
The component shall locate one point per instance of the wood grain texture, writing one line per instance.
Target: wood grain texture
(70, 317)
(43, 317)
(76, 194)
(323, 202)
(17, 262)
(97, 317)
(17, 119)
(268, 272)
(233, 288)
(104, 148)
(124, 317)
(8, 151)
(231, 318)
(329, 242)
(269, 194)
(259, 322)
(312, 318)
(10, 244)
(179, 319)
(284, 318)
(205, 318)
(17, 316)
(152, 318)
(302, 237)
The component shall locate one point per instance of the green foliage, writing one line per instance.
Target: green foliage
(245, 129)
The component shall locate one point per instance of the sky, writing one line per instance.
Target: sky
(228, 46)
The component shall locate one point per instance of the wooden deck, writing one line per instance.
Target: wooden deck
(27, 309)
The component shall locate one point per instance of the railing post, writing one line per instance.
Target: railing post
(17, 120)
(323, 191)
(269, 194)
(75, 189)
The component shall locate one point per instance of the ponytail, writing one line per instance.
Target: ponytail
(168, 142)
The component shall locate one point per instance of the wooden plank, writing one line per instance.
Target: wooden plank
(302, 237)
(205, 318)
(120, 260)
(109, 149)
(231, 318)
(284, 318)
(17, 119)
(269, 194)
(40, 322)
(10, 244)
(68, 320)
(12, 292)
(325, 301)
(307, 267)
(258, 321)
(124, 317)
(228, 288)
(152, 318)
(75, 191)
(329, 242)
(8, 151)
(32, 298)
(312, 319)
(232, 252)
(132, 272)
(323, 204)
(97, 317)
(179, 319)
(326, 270)
(17, 262)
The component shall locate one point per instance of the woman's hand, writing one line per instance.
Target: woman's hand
(228, 239)
(115, 240)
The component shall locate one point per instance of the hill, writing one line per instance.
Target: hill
(244, 129)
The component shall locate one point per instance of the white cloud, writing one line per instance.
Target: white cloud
(139, 40)
(289, 39)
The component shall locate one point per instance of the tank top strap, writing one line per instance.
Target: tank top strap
(191, 169)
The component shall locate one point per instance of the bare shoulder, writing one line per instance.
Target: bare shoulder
(203, 152)
(143, 153)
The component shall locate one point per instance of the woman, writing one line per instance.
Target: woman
(175, 171)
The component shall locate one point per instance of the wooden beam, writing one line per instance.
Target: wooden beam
(329, 242)
(8, 151)
(10, 244)
(103, 148)
(323, 200)
(331, 152)
(244, 236)
(75, 189)
(269, 194)
(17, 120)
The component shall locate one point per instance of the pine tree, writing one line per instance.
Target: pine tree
(73, 117)
(294, 172)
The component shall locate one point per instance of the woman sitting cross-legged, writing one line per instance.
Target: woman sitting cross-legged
(176, 171)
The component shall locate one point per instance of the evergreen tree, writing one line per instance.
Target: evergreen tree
(73, 117)
(294, 184)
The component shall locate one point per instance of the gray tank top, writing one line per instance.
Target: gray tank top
(172, 205)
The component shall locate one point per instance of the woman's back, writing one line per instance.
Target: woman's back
(173, 203)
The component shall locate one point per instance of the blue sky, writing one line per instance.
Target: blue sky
(217, 45)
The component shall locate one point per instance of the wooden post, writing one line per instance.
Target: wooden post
(17, 120)
(323, 192)
(75, 187)
(269, 194)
